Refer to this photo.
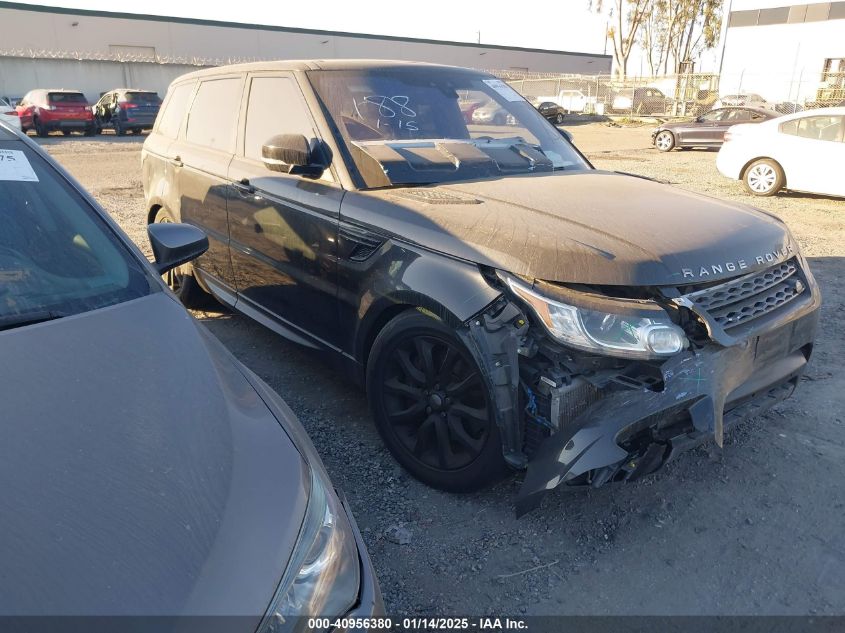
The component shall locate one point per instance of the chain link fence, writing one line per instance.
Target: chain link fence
(679, 95)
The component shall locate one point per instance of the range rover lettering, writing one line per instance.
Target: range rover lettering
(505, 305)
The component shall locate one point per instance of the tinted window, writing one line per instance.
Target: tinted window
(213, 115)
(737, 116)
(713, 115)
(56, 253)
(743, 18)
(816, 12)
(67, 97)
(275, 106)
(819, 128)
(171, 117)
(777, 15)
(142, 97)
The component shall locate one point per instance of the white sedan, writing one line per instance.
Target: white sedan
(9, 115)
(801, 152)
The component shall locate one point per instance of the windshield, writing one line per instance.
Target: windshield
(143, 97)
(417, 125)
(56, 255)
(67, 97)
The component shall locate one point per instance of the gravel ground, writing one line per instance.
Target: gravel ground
(753, 529)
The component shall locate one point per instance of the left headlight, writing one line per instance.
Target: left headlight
(323, 575)
(614, 327)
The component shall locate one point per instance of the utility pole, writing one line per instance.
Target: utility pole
(606, 29)
(479, 36)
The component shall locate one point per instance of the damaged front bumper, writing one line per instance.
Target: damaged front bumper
(618, 425)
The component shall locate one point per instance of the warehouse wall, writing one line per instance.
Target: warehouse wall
(41, 32)
(20, 75)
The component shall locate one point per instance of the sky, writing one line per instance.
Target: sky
(563, 25)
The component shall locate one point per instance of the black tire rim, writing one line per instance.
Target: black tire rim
(175, 277)
(435, 402)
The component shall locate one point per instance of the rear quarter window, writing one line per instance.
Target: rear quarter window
(171, 116)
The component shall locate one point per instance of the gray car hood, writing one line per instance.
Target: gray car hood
(141, 473)
(585, 227)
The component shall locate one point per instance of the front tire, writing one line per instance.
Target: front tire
(181, 279)
(559, 118)
(763, 178)
(432, 406)
(664, 141)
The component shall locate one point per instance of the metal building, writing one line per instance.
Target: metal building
(95, 51)
(785, 50)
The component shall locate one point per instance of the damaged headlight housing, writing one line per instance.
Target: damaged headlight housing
(614, 327)
(323, 575)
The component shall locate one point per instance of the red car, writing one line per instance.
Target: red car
(48, 110)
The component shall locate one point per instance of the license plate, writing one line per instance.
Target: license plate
(772, 345)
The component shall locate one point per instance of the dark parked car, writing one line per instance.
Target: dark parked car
(46, 111)
(552, 111)
(126, 110)
(640, 101)
(707, 130)
(505, 304)
(145, 471)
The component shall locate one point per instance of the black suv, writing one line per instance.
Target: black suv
(505, 304)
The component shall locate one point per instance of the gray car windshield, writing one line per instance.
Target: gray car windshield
(418, 125)
(57, 257)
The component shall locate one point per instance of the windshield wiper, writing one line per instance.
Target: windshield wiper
(11, 321)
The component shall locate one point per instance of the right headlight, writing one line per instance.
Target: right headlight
(614, 327)
(323, 575)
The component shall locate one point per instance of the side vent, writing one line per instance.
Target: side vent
(358, 244)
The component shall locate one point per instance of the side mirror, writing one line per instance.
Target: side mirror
(565, 134)
(175, 244)
(291, 154)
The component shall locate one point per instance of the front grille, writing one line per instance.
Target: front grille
(741, 301)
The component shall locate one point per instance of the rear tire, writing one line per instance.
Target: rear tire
(432, 406)
(181, 279)
(763, 178)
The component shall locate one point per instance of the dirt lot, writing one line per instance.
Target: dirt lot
(754, 529)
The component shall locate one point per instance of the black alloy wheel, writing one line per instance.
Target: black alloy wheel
(432, 405)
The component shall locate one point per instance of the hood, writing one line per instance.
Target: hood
(141, 473)
(582, 227)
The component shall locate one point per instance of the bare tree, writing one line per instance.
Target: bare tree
(626, 17)
(675, 31)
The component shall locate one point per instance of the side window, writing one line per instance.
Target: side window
(736, 116)
(174, 110)
(214, 113)
(275, 106)
(714, 115)
(821, 128)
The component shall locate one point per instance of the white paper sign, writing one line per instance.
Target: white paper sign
(503, 89)
(15, 166)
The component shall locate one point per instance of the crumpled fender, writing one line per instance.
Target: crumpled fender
(703, 379)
